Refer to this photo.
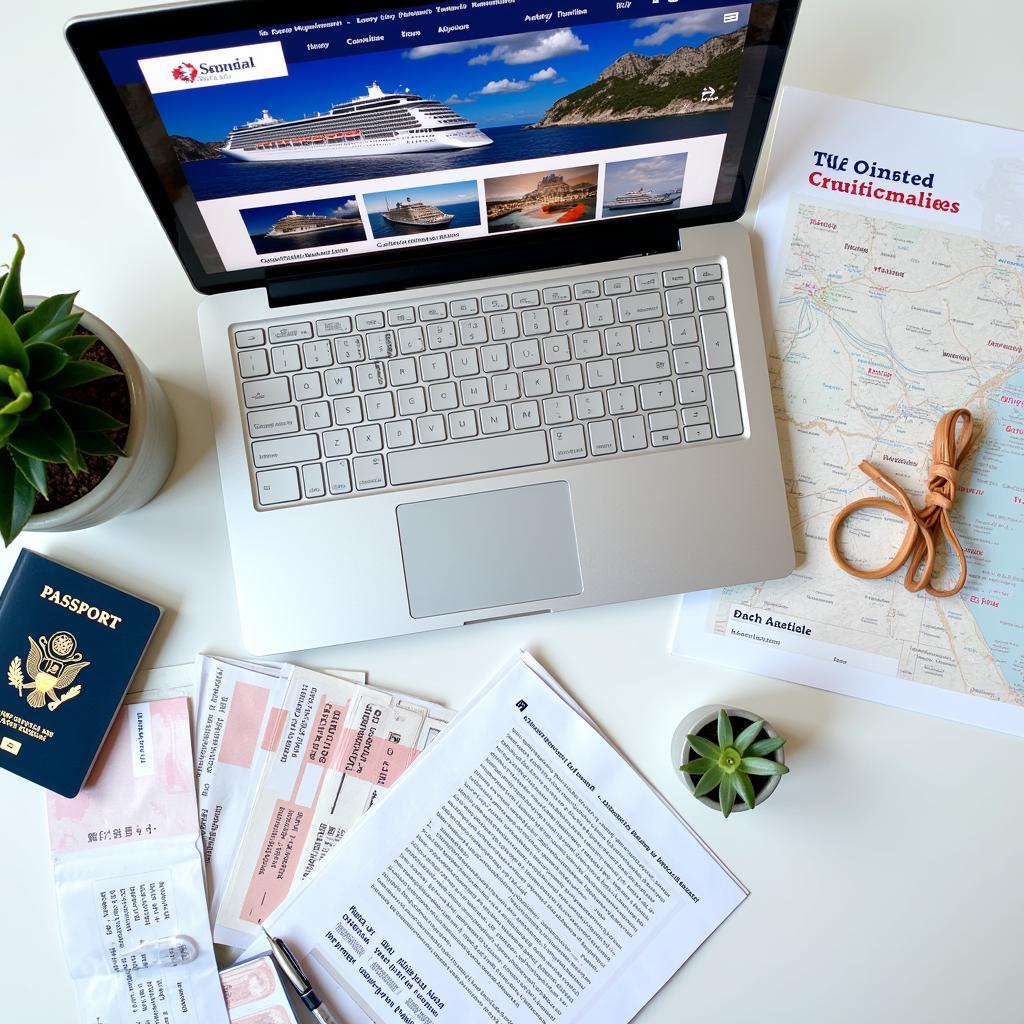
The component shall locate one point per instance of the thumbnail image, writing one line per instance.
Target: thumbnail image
(304, 225)
(643, 186)
(418, 211)
(539, 200)
(533, 95)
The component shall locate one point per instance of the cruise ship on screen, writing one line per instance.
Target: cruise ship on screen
(377, 124)
(639, 197)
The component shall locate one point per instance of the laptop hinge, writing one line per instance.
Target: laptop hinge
(470, 261)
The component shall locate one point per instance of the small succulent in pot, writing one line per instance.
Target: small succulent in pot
(41, 351)
(729, 758)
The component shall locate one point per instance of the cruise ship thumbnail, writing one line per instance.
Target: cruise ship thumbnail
(317, 225)
(432, 212)
(639, 198)
(648, 184)
(307, 224)
(412, 214)
(377, 124)
(526, 201)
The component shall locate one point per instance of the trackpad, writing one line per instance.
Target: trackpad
(489, 549)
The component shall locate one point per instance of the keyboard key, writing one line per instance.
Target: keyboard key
(525, 415)
(701, 433)
(526, 353)
(495, 358)
(443, 396)
(441, 336)
(273, 421)
(709, 272)
(494, 303)
(537, 383)
(663, 438)
(402, 315)
(433, 311)
(248, 338)
(307, 386)
(317, 353)
(651, 334)
(658, 395)
(350, 349)
(600, 313)
(367, 437)
(505, 387)
(338, 479)
(621, 401)
(465, 307)
(618, 340)
(253, 363)
(273, 391)
(632, 433)
(411, 340)
(302, 448)
(695, 415)
(691, 390)
(520, 300)
(336, 443)
(569, 378)
(639, 307)
(680, 301)
(586, 290)
(560, 293)
(590, 405)
(567, 443)
(504, 326)
(380, 406)
(686, 360)
(339, 381)
(434, 366)
(616, 286)
(369, 321)
(600, 373)
(684, 331)
(313, 480)
(714, 327)
(557, 410)
(663, 420)
(337, 325)
(586, 344)
(370, 376)
(286, 359)
(430, 429)
(465, 363)
(645, 282)
(725, 401)
(556, 349)
(412, 401)
(316, 416)
(535, 321)
(602, 437)
(462, 424)
(674, 278)
(403, 371)
(475, 391)
(290, 332)
(468, 458)
(473, 331)
(381, 345)
(710, 296)
(369, 472)
(494, 420)
(274, 486)
(646, 366)
(399, 433)
(348, 410)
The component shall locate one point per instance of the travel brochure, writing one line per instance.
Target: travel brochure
(336, 143)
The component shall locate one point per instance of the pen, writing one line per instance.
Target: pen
(293, 972)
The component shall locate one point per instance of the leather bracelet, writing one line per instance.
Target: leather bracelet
(923, 525)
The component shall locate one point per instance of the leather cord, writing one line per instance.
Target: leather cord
(923, 525)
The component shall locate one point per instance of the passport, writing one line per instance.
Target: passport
(69, 646)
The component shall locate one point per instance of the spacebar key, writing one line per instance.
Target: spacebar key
(464, 458)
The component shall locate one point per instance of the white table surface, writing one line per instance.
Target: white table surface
(885, 873)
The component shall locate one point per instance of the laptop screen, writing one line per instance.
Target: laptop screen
(408, 127)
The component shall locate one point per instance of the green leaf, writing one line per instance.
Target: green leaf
(45, 360)
(40, 403)
(17, 500)
(698, 766)
(85, 418)
(748, 736)
(711, 778)
(762, 766)
(766, 746)
(50, 310)
(726, 796)
(724, 729)
(7, 426)
(56, 331)
(80, 372)
(48, 438)
(76, 345)
(704, 747)
(97, 443)
(17, 405)
(32, 470)
(11, 303)
(12, 351)
(745, 788)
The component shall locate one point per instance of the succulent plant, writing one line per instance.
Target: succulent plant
(729, 764)
(40, 360)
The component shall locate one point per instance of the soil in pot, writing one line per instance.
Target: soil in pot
(110, 394)
(710, 732)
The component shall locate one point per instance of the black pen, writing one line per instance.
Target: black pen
(293, 972)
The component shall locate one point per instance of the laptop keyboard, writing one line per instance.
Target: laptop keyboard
(486, 382)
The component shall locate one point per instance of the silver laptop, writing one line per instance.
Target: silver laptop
(482, 335)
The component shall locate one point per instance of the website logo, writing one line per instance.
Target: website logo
(206, 68)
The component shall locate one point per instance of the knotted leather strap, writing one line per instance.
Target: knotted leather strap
(924, 525)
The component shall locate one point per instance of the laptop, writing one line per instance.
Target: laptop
(482, 334)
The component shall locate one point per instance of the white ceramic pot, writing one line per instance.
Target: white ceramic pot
(681, 751)
(151, 445)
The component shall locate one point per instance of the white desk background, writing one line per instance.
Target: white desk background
(886, 873)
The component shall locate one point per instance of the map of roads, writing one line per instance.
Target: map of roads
(881, 328)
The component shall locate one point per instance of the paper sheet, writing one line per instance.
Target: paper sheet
(255, 994)
(129, 878)
(334, 751)
(894, 244)
(522, 872)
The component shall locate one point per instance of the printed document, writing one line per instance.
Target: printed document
(522, 872)
(128, 870)
(895, 257)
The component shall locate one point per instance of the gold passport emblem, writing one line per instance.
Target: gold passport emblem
(52, 664)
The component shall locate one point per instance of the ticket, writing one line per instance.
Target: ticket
(128, 869)
(254, 993)
(341, 747)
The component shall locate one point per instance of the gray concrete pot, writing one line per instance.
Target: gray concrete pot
(682, 751)
(151, 445)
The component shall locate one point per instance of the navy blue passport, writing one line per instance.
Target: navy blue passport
(69, 646)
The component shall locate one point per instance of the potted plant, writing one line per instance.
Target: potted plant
(729, 758)
(85, 431)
